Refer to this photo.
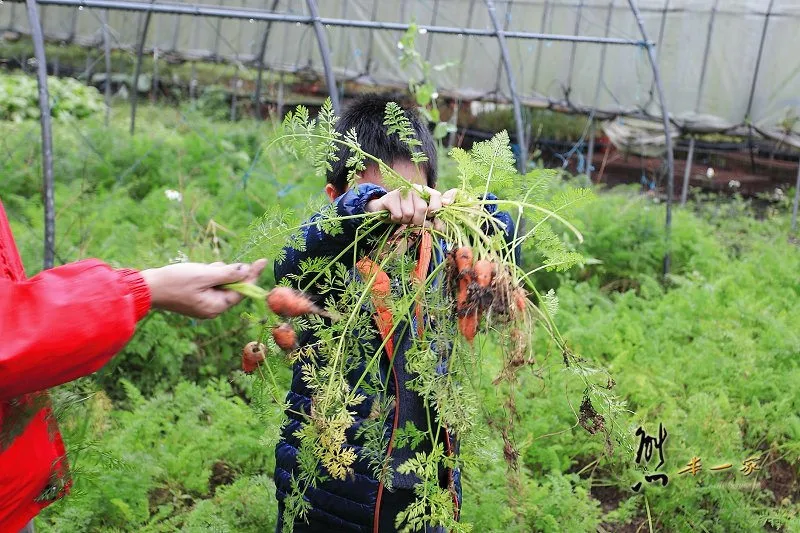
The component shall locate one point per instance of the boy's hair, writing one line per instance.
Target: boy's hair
(365, 114)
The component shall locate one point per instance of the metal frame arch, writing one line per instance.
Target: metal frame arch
(261, 53)
(47, 135)
(324, 50)
(512, 87)
(138, 70)
(668, 139)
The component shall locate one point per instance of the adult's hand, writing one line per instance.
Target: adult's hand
(192, 289)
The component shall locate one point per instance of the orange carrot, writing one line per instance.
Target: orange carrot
(285, 337)
(420, 273)
(252, 356)
(381, 289)
(288, 302)
(483, 272)
(369, 268)
(463, 259)
(520, 299)
(468, 325)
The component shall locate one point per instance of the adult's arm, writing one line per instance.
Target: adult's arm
(65, 323)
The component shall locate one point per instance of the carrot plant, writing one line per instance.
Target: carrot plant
(441, 290)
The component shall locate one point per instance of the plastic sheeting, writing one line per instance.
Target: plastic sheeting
(566, 75)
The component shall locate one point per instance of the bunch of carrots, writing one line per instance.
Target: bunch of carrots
(480, 286)
(284, 302)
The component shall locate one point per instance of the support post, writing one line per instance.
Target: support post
(590, 151)
(600, 78)
(262, 51)
(512, 87)
(47, 135)
(540, 44)
(107, 54)
(138, 69)
(687, 172)
(578, 18)
(324, 51)
(668, 138)
(796, 199)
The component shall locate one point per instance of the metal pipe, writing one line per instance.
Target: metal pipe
(668, 138)
(47, 135)
(539, 48)
(261, 53)
(687, 171)
(138, 69)
(796, 199)
(600, 77)
(324, 51)
(107, 55)
(758, 61)
(512, 87)
(371, 40)
(568, 89)
(223, 12)
(433, 23)
(590, 151)
(701, 85)
(506, 21)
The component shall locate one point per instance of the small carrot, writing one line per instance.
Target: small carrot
(369, 268)
(483, 272)
(468, 325)
(288, 302)
(463, 258)
(520, 299)
(381, 289)
(252, 356)
(419, 275)
(285, 337)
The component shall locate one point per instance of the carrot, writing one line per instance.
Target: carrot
(420, 273)
(520, 299)
(468, 325)
(252, 356)
(463, 259)
(288, 302)
(483, 272)
(369, 268)
(381, 289)
(285, 337)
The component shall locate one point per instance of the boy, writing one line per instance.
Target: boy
(360, 503)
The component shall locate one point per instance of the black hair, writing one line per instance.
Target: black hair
(365, 114)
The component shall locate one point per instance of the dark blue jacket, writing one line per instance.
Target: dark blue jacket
(347, 505)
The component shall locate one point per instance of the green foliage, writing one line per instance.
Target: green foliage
(69, 99)
(173, 455)
(711, 353)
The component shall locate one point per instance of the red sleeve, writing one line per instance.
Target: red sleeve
(65, 323)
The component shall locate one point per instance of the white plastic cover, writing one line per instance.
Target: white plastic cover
(546, 72)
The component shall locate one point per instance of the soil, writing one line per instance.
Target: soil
(782, 481)
(221, 474)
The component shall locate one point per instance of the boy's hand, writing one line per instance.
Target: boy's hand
(191, 288)
(409, 207)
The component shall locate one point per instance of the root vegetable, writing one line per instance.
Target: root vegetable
(287, 302)
(520, 299)
(483, 272)
(252, 356)
(468, 326)
(381, 289)
(285, 337)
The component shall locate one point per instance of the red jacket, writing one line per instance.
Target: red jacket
(55, 327)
